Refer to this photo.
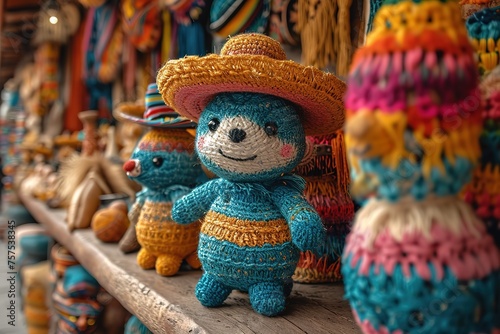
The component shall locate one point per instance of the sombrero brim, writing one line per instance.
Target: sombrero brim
(129, 112)
(190, 83)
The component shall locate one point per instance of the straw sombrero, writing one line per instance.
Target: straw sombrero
(254, 63)
(155, 113)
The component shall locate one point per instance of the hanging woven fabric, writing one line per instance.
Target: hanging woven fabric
(46, 60)
(344, 49)
(166, 36)
(142, 23)
(231, 17)
(190, 35)
(327, 190)
(102, 42)
(283, 21)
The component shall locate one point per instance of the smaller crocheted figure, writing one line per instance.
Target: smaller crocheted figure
(251, 133)
(165, 164)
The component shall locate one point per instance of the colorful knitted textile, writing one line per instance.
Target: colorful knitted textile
(427, 143)
(484, 30)
(327, 190)
(232, 17)
(417, 260)
(484, 191)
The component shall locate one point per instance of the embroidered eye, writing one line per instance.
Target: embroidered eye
(213, 124)
(271, 128)
(157, 161)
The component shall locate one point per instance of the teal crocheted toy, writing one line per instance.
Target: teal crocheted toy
(256, 219)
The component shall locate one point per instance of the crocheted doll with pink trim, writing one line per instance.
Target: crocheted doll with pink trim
(417, 260)
(254, 109)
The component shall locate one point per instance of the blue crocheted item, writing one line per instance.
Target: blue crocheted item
(407, 178)
(79, 283)
(374, 7)
(414, 305)
(135, 326)
(256, 219)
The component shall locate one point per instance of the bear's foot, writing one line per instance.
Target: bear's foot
(145, 259)
(193, 260)
(267, 298)
(168, 264)
(210, 292)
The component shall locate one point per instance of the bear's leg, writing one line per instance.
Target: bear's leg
(145, 259)
(267, 298)
(193, 260)
(211, 292)
(168, 264)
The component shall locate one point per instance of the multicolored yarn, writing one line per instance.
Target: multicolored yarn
(484, 30)
(417, 260)
(164, 162)
(426, 143)
(469, 7)
(255, 218)
(327, 190)
(142, 23)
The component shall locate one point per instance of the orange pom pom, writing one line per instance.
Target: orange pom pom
(110, 224)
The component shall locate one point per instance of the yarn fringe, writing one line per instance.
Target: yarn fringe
(409, 216)
(317, 24)
(310, 269)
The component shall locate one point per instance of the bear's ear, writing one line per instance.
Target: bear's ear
(309, 153)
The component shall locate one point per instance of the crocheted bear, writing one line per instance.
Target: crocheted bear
(254, 109)
(163, 162)
(257, 219)
(417, 259)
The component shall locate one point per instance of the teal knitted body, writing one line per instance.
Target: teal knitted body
(256, 220)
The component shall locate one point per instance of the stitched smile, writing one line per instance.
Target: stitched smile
(237, 159)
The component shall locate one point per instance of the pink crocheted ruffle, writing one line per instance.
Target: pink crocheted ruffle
(469, 256)
(367, 327)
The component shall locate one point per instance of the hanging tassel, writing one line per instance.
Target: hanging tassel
(317, 25)
(167, 36)
(344, 47)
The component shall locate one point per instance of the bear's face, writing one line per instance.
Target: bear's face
(249, 137)
(163, 158)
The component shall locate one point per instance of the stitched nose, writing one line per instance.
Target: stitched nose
(237, 135)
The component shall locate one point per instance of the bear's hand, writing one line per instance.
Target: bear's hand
(307, 230)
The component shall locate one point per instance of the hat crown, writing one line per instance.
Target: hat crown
(253, 44)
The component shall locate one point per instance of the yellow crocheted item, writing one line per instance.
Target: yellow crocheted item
(165, 242)
(245, 233)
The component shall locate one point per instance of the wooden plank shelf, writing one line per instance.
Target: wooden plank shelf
(168, 304)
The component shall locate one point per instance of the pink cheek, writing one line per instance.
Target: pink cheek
(200, 143)
(287, 151)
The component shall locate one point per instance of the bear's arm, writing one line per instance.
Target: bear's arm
(305, 224)
(196, 204)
